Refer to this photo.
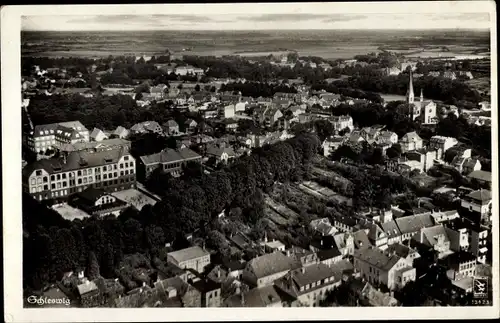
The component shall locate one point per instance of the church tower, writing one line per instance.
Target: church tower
(421, 96)
(410, 96)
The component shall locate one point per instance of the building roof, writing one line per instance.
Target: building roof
(327, 254)
(171, 124)
(480, 195)
(105, 144)
(391, 229)
(461, 257)
(215, 150)
(77, 160)
(205, 285)
(377, 258)
(375, 232)
(410, 137)
(256, 297)
(272, 263)
(323, 242)
(361, 240)
(481, 175)
(431, 234)
(120, 131)
(398, 249)
(87, 287)
(169, 155)
(95, 132)
(91, 194)
(188, 254)
(414, 223)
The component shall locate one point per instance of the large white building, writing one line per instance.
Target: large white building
(50, 136)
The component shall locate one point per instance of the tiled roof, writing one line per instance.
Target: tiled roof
(326, 254)
(272, 263)
(361, 240)
(377, 258)
(414, 223)
(432, 233)
(169, 155)
(310, 274)
(480, 195)
(398, 249)
(480, 175)
(410, 137)
(391, 229)
(188, 254)
(77, 160)
(256, 297)
(91, 194)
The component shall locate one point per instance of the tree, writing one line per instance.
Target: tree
(197, 88)
(179, 86)
(93, 266)
(138, 96)
(394, 151)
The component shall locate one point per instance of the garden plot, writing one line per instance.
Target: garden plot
(325, 193)
(134, 197)
(328, 173)
(275, 217)
(282, 210)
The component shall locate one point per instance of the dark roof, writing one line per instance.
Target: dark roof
(91, 194)
(234, 264)
(205, 285)
(328, 242)
(398, 249)
(326, 254)
(460, 257)
(361, 240)
(480, 195)
(272, 263)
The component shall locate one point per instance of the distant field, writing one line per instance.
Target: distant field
(482, 84)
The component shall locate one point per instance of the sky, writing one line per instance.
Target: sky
(259, 17)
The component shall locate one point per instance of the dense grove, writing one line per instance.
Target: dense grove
(53, 245)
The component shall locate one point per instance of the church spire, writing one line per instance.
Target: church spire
(422, 95)
(411, 95)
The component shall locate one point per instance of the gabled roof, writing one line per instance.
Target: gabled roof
(272, 263)
(398, 249)
(391, 229)
(414, 223)
(480, 175)
(361, 240)
(410, 137)
(377, 258)
(91, 194)
(256, 297)
(188, 254)
(431, 234)
(169, 155)
(480, 195)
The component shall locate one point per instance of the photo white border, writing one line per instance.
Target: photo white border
(11, 170)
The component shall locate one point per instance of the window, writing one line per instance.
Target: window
(131, 164)
(90, 179)
(98, 177)
(105, 176)
(52, 177)
(45, 187)
(85, 180)
(45, 179)
(33, 181)
(79, 173)
(79, 181)
(116, 174)
(121, 165)
(126, 164)
(58, 185)
(38, 173)
(84, 172)
(126, 172)
(53, 186)
(89, 171)
(115, 167)
(131, 171)
(64, 184)
(110, 167)
(125, 158)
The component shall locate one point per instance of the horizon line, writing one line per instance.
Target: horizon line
(254, 30)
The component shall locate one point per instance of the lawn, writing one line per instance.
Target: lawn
(70, 213)
(135, 198)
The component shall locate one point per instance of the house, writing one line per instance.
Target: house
(435, 237)
(411, 225)
(344, 243)
(443, 143)
(304, 256)
(425, 158)
(171, 127)
(329, 256)
(361, 240)
(342, 122)
(466, 74)
(230, 124)
(323, 227)
(98, 135)
(355, 137)
(193, 257)
(190, 125)
(392, 232)
(264, 270)
(308, 286)
(468, 236)
(331, 144)
(210, 292)
(410, 141)
(481, 176)
(112, 170)
(228, 111)
(145, 127)
(450, 75)
(387, 137)
(158, 92)
(97, 202)
(478, 202)
(466, 165)
(461, 265)
(377, 236)
(273, 245)
(392, 71)
(121, 132)
(442, 216)
(374, 297)
(403, 251)
(49, 136)
(378, 267)
(170, 160)
(221, 152)
(267, 116)
(88, 293)
(96, 146)
(267, 296)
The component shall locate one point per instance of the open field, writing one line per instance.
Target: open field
(135, 198)
(483, 84)
(69, 213)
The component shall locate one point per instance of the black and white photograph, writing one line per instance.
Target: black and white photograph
(242, 156)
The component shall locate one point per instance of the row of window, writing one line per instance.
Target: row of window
(317, 283)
